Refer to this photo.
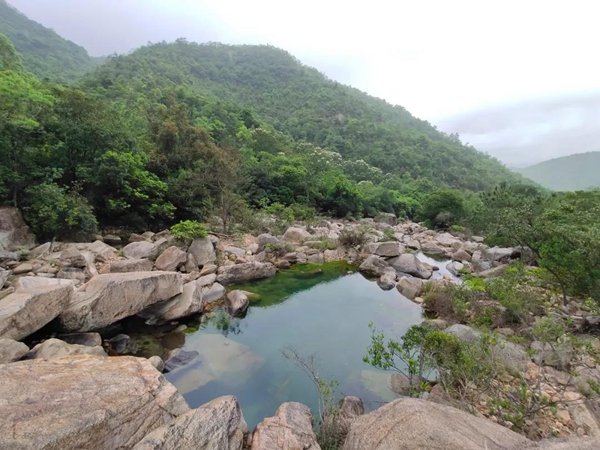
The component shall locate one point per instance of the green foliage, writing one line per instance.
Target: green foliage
(189, 229)
(443, 208)
(353, 237)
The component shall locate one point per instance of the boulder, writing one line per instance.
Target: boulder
(41, 251)
(387, 281)
(7, 258)
(102, 251)
(203, 251)
(4, 274)
(84, 402)
(35, 302)
(351, 408)
(387, 249)
(460, 256)
(237, 302)
(408, 423)
(89, 339)
(122, 344)
(375, 265)
(557, 355)
(290, 428)
(72, 257)
(432, 250)
(455, 268)
(316, 258)
(55, 348)
(410, 264)
(112, 239)
(265, 239)
(157, 362)
(245, 272)
(23, 268)
(111, 297)
(190, 263)
(447, 240)
(412, 243)
(387, 218)
(498, 254)
(171, 259)
(235, 251)
(130, 265)
(216, 425)
(11, 351)
(134, 237)
(295, 234)
(140, 250)
(492, 273)
(410, 287)
(511, 355)
(14, 233)
(212, 293)
(189, 302)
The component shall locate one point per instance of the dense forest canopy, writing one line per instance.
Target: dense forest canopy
(44, 52)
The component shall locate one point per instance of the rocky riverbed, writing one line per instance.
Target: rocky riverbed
(58, 299)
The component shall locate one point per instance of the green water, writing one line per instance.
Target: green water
(316, 309)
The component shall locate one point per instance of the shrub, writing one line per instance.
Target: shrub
(443, 208)
(189, 229)
(352, 238)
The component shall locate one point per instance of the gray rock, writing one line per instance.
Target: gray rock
(35, 302)
(11, 351)
(492, 273)
(134, 237)
(410, 265)
(290, 428)
(23, 268)
(72, 257)
(89, 339)
(180, 358)
(84, 402)
(130, 265)
(387, 249)
(387, 281)
(7, 257)
(351, 408)
(375, 265)
(157, 362)
(235, 251)
(460, 256)
(316, 258)
(265, 239)
(112, 239)
(408, 423)
(237, 302)
(14, 233)
(447, 240)
(140, 250)
(203, 251)
(102, 251)
(556, 355)
(111, 297)
(55, 348)
(571, 443)
(216, 425)
(455, 267)
(295, 234)
(410, 287)
(498, 254)
(432, 250)
(122, 344)
(245, 272)
(191, 301)
(171, 259)
(213, 293)
(4, 274)
(190, 263)
(387, 218)
(41, 250)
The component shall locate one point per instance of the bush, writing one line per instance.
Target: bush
(443, 208)
(352, 238)
(189, 229)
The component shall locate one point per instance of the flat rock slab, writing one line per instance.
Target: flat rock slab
(84, 402)
(35, 302)
(245, 272)
(418, 424)
(130, 265)
(216, 425)
(107, 298)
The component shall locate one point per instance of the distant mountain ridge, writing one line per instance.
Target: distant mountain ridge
(43, 51)
(568, 173)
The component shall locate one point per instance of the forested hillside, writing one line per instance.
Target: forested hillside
(44, 52)
(301, 102)
(569, 173)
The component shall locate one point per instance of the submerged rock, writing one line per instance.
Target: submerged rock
(408, 423)
(290, 428)
(180, 358)
(216, 425)
(84, 402)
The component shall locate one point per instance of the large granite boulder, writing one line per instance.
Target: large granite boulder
(35, 302)
(203, 251)
(111, 297)
(14, 233)
(237, 302)
(11, 350)
(84, 402)
(265, 239)
(387, 249)
(245, 272)
(290, 428)
(4, 274)
(170, 259)
(410, 287)
(130, 265)
(387, 218)
(140, 250)
(216, 425)
(102, 251)
(408, 423)
(296, 235)
(375, 265)
(410, 264)
(55, 348)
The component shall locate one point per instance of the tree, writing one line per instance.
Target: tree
(443, 208)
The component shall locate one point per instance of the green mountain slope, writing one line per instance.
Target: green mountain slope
(44, 52)
(303, 103)
(569, 173)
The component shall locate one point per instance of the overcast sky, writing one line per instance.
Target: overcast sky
(519, 79)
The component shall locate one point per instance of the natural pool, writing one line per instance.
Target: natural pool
(323, 310)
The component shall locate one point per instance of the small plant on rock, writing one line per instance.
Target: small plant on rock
(189, 229)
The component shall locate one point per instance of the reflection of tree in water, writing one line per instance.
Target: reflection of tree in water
(226, 324)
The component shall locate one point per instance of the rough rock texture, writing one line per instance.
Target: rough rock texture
(130, 265)
(245, 272)
(89, 339)
(55, 348)
(111, 297)
(295, 234)
(170, 259)
(375, 265)
(83, 402)
(410, 264)
(461, 256)
(13, 231)
(352, 407)
(410, 287)
(189, 302)
(140, 250)
(388, 218)
(455, 268)
(265, 239)
(387, 249)
(11, 351)
(237, 302)
(213, 293)
(492, 273)
(203, 251)
(216, 425)
(35, 302)
(4, 274)
(407, 424)
(102, 251)
(387, 281)
(157, 362)
(289, 429)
